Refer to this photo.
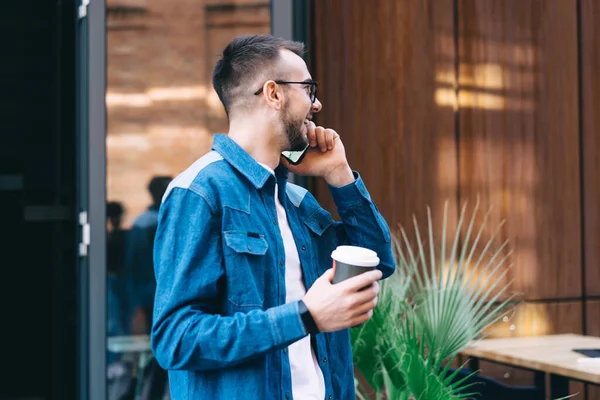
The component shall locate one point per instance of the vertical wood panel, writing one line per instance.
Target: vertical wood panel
(518, 138)
(537, 319)
(590, 67)
(390, 95)
(590, 78)
(380, 70)
(593, 392)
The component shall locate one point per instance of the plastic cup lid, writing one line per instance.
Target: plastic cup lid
(357, 256)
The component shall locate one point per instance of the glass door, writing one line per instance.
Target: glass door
(162, 113)
(146, 111)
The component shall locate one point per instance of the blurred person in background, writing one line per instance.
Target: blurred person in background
(139, 264)
(115, 265)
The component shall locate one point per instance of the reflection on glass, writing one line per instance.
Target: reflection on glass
(162, 113)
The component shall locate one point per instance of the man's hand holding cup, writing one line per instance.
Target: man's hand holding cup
(345, 296)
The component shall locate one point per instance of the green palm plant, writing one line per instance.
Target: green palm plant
(437, 302)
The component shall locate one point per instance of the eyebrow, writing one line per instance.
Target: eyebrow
(308, 80)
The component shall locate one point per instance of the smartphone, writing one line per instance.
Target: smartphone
(295, 157)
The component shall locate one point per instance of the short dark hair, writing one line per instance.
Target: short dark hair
(158, 186)
(245, 57)
(114, 209)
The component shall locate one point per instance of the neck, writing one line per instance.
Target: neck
(257, 138)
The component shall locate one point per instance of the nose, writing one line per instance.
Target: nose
(316, 106)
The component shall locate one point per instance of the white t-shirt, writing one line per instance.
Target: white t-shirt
(307, 379)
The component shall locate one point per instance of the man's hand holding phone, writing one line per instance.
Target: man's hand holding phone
(325, 157)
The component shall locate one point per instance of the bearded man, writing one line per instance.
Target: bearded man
(245, 307)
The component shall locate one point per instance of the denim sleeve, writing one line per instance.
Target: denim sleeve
(187, 331)
(362, 223)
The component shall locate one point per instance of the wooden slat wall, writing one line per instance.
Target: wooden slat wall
(379, 94)
(590, 140)
(523, 133)
(519, 147)
(590, 67)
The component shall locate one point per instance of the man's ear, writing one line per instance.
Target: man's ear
(273, 94)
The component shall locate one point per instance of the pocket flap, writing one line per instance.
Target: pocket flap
(319, 221)
(246, 242)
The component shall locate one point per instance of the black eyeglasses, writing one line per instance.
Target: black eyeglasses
(312, 90)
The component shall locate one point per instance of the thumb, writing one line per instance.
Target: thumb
(327, 275)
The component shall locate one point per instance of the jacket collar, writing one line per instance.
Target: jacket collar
(239, 159)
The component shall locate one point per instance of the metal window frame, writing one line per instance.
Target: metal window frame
(97, 199)
(91, 167)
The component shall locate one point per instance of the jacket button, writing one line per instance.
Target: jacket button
(324, 359)
(274, 222)
(281, 263)
(330, 397)
(284, 351)
(249, 247)
(303, 248)
(287, 396)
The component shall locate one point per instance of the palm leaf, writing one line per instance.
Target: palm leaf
(430, 309)
(426, 378)
(459, 301)
(372, 341)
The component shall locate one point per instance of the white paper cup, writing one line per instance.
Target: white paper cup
(352, 261)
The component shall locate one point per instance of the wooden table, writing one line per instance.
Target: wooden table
(552, 355)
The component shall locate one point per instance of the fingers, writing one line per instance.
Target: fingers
(311, 134)
(330, 136)
(325, 138)
(327, 275)
(321, 137)
(364, 300)
(367, 294)
(321, 141)
(361, 319)
(366, 306)
(360, 281)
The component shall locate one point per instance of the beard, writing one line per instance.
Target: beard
(296, 137)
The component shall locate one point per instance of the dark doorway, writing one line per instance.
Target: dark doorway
(37, 200)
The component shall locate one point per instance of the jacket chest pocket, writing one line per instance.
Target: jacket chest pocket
(319, 221)
(245, 262)
(320, 224)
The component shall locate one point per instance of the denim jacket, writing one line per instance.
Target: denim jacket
(221, 325)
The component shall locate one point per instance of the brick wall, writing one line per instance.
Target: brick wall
(162, 110)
